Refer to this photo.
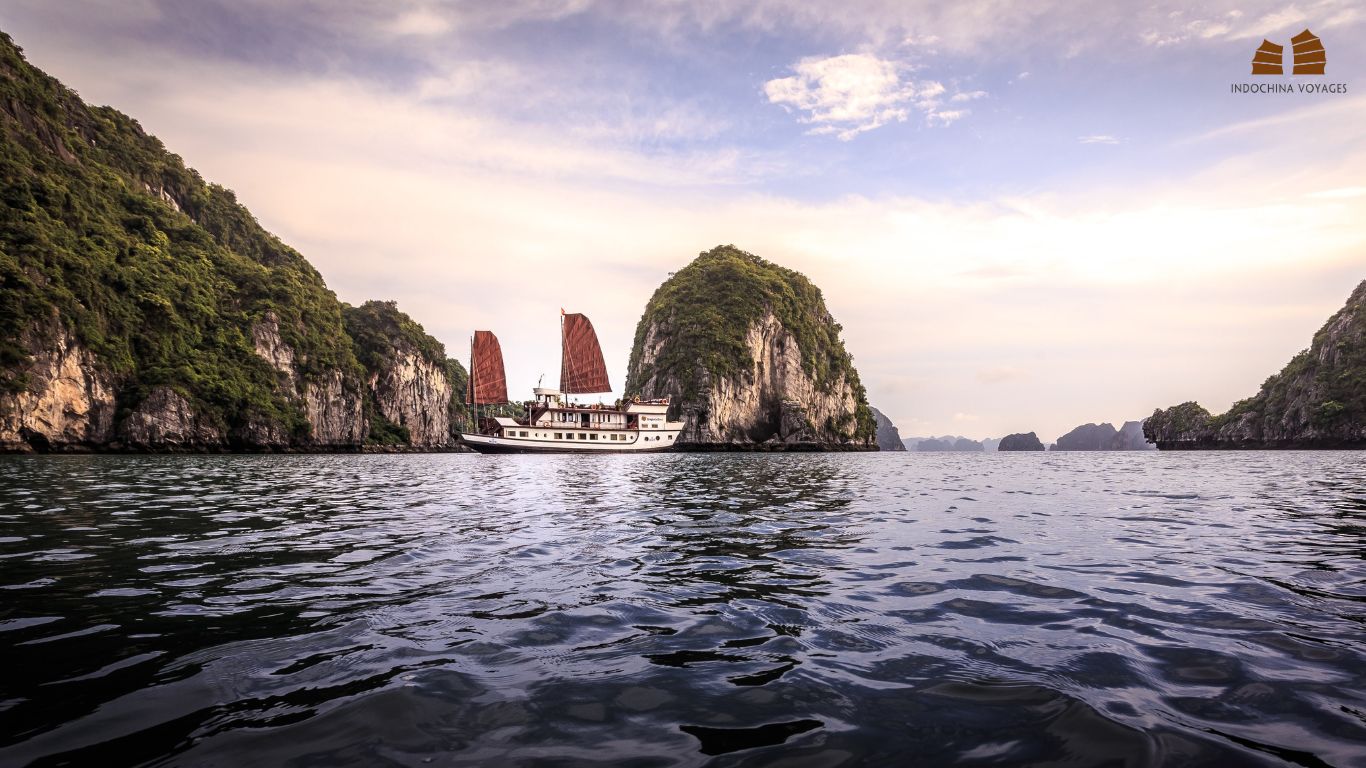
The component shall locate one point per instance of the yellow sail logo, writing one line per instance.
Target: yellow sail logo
(1309, 56)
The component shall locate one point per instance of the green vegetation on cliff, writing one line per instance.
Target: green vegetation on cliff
(162, 276)
(710, 305)
(707, 309)
(161, 296)
(378, 328)
(1317, 400)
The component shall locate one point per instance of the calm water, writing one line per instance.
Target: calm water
(821, 610)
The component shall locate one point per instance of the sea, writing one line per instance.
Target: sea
(1061, 609)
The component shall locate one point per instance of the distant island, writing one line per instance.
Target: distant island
(945, 443)
(1318, 400)
(751, 359)
(888, 436)
(1026, 441)
(1087, 437)
(1104, 437)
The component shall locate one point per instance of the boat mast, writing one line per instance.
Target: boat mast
(474, 409)
(562, 342)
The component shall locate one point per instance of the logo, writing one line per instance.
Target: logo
(1310, 57)
(1307, 58)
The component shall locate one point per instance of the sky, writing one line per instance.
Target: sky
(1026, 216)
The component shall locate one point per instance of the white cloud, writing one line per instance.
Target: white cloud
(421, 22)
(856, 92)
(968, 95)
(1278, 21)
(1099, 139)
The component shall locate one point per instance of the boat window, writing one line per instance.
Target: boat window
(595, 437)
(559, 435)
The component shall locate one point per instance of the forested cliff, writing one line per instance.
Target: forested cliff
(1317, 401)
(144, 308)
(751, 358)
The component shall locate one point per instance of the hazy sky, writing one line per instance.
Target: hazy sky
(1025, 215)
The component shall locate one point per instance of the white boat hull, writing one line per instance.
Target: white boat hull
(652, 441)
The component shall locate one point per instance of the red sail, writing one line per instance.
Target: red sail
(581, 366)
(488, 382)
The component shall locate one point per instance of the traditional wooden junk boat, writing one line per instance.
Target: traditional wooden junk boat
(551, 424)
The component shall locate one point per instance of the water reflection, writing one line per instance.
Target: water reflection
(678, 610)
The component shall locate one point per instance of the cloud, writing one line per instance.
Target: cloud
(946, 116)
(1099, 139)
(856, 92)
(1239, 25)
(418, 22)
(968, 95)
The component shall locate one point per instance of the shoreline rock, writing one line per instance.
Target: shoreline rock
(888, 437)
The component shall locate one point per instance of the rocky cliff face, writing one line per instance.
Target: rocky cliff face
(165, 420)
(888, 438)
(1317, 401)
(1026, 441)
(751, 359)
(330, 399)
(414, 394)
(1104, 437)
(66, 398)
(142, 308)
(1088, 437)
(332, 405)
(1130, 438)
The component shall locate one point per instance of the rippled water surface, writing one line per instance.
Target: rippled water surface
(822, 610)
